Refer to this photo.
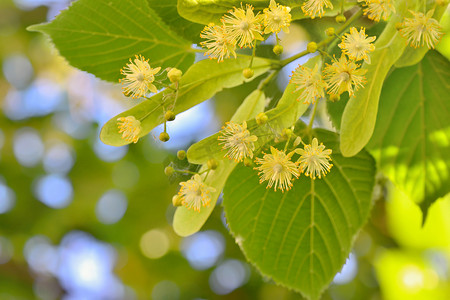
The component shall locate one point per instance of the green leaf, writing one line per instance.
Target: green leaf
(301, 238)
(358, 119)
(100, 36)
(187, 222)
(207, 11)
(199, 83)
(167, 11)
(411, 141)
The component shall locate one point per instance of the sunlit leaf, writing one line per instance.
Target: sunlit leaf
(200, 83)
(100, 36)
(411, 141)
(207, 11)
(301, 238)
(167, 11)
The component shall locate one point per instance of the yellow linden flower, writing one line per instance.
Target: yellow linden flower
(238, 140)
(344, 75)
(357, 45)
(378, 8)
(218, 42)
(276, 17)
(311, 83)
(278, 169)
(130, 128)
(421, 29)
(314, 8)
(138, 77)
(194, 193)
(243, 26)
(314, 159)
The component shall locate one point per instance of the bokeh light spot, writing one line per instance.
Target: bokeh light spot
(111, 207)
(348, 271)
(203, 249)
(165, 290)
(154, 243)
(18, 70)
(58, 159)
(228, 276)
(7, 198)
(54, 191)
(28, 147)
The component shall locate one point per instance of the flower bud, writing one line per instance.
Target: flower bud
(212, 164)
(278, 49)
(312, 47)
(174, 75)
(248, 162)
(334, 97)
(169, 115)
(169, 170)
(297, 141)
(164, 137)
(248, 73)
(176, 200)
(330, 31)
(341, 19)
(261, 118)
(181, 154)
(286, 133)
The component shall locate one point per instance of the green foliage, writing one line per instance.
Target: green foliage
(301, 237)
(358, 119)
(200, 83)
(101, 36)
(167, 11)
(211, 11)
(410, 141)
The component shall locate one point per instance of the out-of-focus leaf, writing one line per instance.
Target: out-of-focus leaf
(167, 11)
(207, 11)
(200, 83)
(100, 36)
(302, 237)
(411, 141)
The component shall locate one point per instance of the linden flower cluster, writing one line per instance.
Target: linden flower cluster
(242, 27)
(276, 167)
(421, 30)
(194, 194)
(341, 75)
(377, 9)
(138, 81)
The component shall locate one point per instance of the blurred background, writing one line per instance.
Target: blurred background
(83, 220)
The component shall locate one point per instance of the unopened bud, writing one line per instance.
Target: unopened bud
(341, 19)
(330, 31)
(261, 118)
(334, 97)
(177, 200)
(286, 133)
(181, 154)
(174, 75)
(212, 164)
(278, 49)
(248, 162)
(442, 2)
(169, 115)
(169, 170)
(297, 141)
(312, 47)
(248, 73)
(164, 137)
